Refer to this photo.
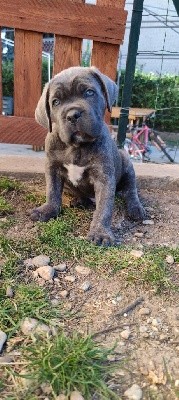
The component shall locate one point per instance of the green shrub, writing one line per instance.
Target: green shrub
(152, 91)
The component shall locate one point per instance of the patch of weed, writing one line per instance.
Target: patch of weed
(34, 198)
(7, 184)
(5, 207)
(29, 301)
(70, 363)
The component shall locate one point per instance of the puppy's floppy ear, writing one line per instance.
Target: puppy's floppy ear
(109, 87)
(42, 112)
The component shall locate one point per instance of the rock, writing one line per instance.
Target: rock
(31, 326)
(41, 260)
(85, 286)
(143, 328)
(177, 383)
(9, 291)
(63, 293)
(125, 334)
(144, 311)
(134, 392)
(76, 395)
(156, 321)
(148, 222)
(137, 253)
(163, 337)
(55, 302)
(46, 272)
(82, 270)
(139, 234)
(46, 388)
(60, 267)
(169, 259)
(70, 278)
(3, 338)
(7, 359)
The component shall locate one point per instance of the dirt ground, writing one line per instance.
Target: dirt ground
(149, 351)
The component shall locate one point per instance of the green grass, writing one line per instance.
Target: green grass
(5, 207)
(70, 363)
(28, 301)
(7, 184)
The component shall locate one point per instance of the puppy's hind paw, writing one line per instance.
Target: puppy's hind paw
(43, 213)
(101, 238)
(136, 212)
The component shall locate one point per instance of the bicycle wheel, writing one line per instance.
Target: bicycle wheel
(133, 150)
(161, 146)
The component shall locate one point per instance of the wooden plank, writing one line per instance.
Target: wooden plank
(67, 51)
(27, 72)
(0, 73)
(21, 130)
(66, 18)
(105, 56)
(133, 112)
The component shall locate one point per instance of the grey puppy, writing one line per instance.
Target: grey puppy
(80, 153)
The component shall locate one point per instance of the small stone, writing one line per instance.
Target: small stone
(82, 270)
(55, 302)
(41, 260)
(31, 326)
(149, 209)
(85, 286)
(61, 397)
(28, 262)
(144, 311)
(169, 259)
(156, 321)
(139, 234)
(148, 222)
(46, 388)
(143, 329)
(63, 293)
(9, 291)
(111, 357)
(70, 278)
(3, 338)
(46, 272)
(76, 395)
(137, 253)
(7, 359)
(60, 267)
(163, 337)
(177, 383)
(134, 392)
(125, 334)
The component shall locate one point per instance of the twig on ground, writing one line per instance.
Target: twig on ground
(130, 307)
(110, 329)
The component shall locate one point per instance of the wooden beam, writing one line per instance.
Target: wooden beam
(66, 18)
(27, 72)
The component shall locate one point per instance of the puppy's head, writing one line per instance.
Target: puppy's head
(74, 102)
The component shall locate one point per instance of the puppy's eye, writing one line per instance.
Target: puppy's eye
(89, 92)
(55, 102)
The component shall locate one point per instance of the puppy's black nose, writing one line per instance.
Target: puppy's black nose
(73, 116)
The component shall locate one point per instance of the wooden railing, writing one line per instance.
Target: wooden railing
(70, 21)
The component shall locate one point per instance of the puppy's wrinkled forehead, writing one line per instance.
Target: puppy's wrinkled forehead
(70, 83)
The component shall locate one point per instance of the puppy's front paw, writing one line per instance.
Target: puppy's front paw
(136, 212)
(101, 236)
(43, 213)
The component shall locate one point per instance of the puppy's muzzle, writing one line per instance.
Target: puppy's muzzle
(73, 116)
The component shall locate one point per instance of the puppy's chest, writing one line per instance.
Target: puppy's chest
(74, 167)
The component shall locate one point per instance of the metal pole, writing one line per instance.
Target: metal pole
(176, 4)
(130, 69)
